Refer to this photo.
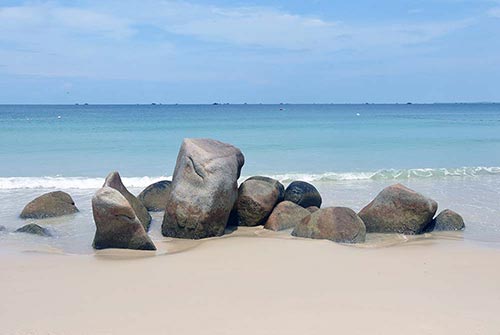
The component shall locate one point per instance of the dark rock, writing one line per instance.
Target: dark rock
(397, 209)
(257, 197)
(447, 220)
(338, 224)
(303, 194)
(2, 228)
(49, 205)
(286, 215)
(117, 225)
(154, 197)
(34, 229)
(114, 180)
(204, 189)
(312, 209)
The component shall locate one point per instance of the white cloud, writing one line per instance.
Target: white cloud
(112, 39)
(65, 19)
(494, 12)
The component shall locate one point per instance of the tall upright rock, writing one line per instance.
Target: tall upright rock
(117, 225)
(204, 189)
(114, 180)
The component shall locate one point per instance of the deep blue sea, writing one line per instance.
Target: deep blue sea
(350, 152)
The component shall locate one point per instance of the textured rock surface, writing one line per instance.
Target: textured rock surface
(397, 209)
(204, 189)
(257, 197)
(117, 225)
(114, 180)
(34, 229)
(338, 224)
(303, 194)
(49, 205)
(154, 197)
(312, 209)
(286, 215)
(447, 220)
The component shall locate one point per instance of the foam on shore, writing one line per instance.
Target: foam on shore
(60, 182)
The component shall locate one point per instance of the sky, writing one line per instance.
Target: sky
(195, 51)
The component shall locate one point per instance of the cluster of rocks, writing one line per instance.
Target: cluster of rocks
(49, 205)
(203, 199)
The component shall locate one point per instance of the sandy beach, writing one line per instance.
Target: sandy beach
(244, 283)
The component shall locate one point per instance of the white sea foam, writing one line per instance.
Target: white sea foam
(71, 182)
(141, 182)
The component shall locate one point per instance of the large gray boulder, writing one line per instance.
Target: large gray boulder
(49, 205)
(204, 189)
(257, 197)
(114, 180)
(286, 215)
(117, 225)
(154, 197)
(303, 194)
(338, 224)
(34, 229)
(397, 209)
(447, 220)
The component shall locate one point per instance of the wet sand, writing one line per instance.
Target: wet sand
(256, 282)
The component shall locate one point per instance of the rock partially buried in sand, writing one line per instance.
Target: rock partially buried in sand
(337, 224)
(34, 229)
(49, 205)
(2, 228)
(204, 189)
(154, 197)
(114, 180)
(116, 222)
(286, 215)
(397, 209)
(257, 197)
(303, 194)
(447, 220)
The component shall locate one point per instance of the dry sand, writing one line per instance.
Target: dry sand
(248, 284)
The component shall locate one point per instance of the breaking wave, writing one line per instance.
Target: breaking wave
(141, 182)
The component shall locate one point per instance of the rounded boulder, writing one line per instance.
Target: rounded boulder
(337, 224)
(257, 196)
(53, 204)
(303, 194)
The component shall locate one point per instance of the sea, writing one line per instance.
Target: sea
(450, 152)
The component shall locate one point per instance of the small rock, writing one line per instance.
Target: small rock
(447, 220)
(397, 209)
(117, 225)
(303, 194)
(154, 197)
(34, 229)
(338, 224)
(49, 205)
(257, 197)
(2, 228)
(285, 215)
(114, 180)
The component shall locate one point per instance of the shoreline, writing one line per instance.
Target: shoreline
(249, 285)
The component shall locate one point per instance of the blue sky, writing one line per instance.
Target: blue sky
(249, 51)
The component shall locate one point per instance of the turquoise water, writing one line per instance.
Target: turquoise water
(89, 141)
(350, 152)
